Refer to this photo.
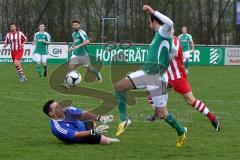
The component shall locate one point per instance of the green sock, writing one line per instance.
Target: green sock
(121, 101)
(186, 64)
(172, 121)
(39, 70)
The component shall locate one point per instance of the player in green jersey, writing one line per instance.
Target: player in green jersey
(152, 76)
(79, 51)
(186, 40)
(41, 41)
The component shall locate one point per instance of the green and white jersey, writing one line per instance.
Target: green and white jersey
(185, 40)
(79, 37)
(158, 57)
(41, 46)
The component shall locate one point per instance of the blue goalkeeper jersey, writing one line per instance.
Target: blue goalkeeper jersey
(66, 128)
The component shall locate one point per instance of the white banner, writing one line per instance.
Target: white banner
(58, 51)
(55, 52)
(232, 56)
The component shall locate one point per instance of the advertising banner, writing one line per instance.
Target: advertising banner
(107, 54)
(57, 54)
(208, 56)
(137, 54)
(232, 56)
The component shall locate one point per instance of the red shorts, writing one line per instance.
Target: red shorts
(17, 54)
(180, 85)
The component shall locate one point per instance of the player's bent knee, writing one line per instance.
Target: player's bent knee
(71, 68)
(164, 115)
(189, 100)
(122, 85)
(17, 63)
(161, 112)
(118, 86)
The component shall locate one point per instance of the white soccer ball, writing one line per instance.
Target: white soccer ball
(73, 78)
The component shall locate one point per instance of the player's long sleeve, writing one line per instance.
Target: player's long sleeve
(23, 37)
(164, 19)
(6, 39)
(35, 38)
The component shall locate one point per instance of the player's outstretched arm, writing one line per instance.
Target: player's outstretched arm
(70, 49)
(6, 42)
(47, 42)
(35, 39)
(148, 9)
(24, 38)
(86, 42)
(81, 134)
(99, 118)
(98, 130)
(88, 116)
(192, 43)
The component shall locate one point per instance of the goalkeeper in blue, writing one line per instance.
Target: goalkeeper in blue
(152, 75)
(73, 125)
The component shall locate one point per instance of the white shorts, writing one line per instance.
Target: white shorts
(83, 60)
(40, 58)
(154, 84)
(186, 55)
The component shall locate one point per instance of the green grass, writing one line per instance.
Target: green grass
(25, 133)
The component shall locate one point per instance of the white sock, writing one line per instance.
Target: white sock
(112, 140)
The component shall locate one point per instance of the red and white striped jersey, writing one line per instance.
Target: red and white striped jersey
(176, 69)
(15, 40)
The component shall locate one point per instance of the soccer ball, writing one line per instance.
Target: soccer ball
(73, 78)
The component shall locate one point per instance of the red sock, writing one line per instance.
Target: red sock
(201, 107)
(210, 116)
(19, 70)
(150, 99)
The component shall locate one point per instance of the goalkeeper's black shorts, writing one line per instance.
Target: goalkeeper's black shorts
(91, 139)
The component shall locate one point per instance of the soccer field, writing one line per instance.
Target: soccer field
(25, 131)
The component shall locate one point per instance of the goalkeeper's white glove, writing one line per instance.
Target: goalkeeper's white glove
(100, 129)
(105, 119)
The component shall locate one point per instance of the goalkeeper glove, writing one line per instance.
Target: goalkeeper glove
(105, 119)
(100, 129)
